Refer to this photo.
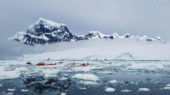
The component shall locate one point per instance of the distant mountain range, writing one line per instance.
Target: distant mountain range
(45, 31)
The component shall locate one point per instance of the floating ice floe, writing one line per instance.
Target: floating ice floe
(0, 85)
(143, 89)
(50, 72)
(109, 89)
(168, 85)
(24, 90)
(126, 91)
(90, 77)
(89, 82)
(144, 66)
(11, 90)
(113, 81)
(10, 93)
(166, 88)
(63, 93)
(9, 74)
(85, 69)
(83, 88)
(87, 79)
(105, 72)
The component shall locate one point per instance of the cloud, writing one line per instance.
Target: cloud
(134, 16)
(103, 48)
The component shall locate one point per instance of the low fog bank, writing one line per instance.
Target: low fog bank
(104, 48)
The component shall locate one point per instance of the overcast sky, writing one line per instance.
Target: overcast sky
(151, 17)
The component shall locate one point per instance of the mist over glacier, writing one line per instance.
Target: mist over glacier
(100, 48)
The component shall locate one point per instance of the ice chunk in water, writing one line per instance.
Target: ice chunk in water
(10, 93)
(126, 91)
(91, 77)
(168, 85)
(143, 89)
(9, 74)
(166, 88)
(87, 79)
(109, 89)
(63, 94)
(89, 82)
(144, 66)
(11, 90)
(24, 90)
(113, 81)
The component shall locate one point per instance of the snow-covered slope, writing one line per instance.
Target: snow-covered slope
(46, 31)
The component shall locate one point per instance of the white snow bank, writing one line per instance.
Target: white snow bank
(90, 77)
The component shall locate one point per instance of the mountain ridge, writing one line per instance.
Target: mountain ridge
(45, 31)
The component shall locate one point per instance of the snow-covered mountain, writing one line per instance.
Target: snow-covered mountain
(46, 31)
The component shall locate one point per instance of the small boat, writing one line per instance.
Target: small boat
(41, 64)
(52, 64)
(85, 64)
(29, 63)
(60, 62)
(71, 64)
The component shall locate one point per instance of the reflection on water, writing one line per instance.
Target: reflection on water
(39, 84)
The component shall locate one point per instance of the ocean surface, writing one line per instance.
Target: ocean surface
(85, 78)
